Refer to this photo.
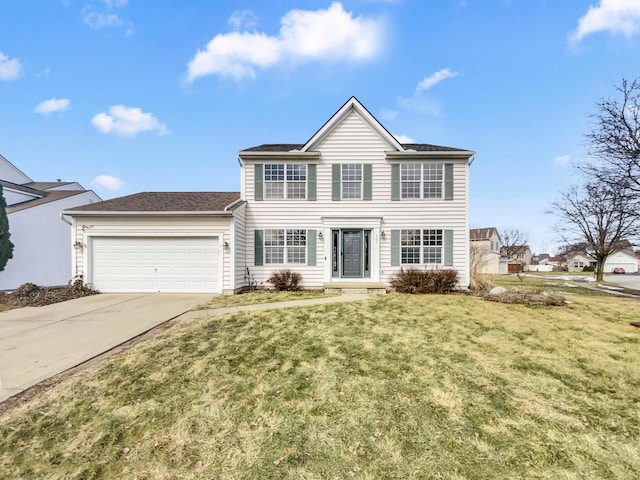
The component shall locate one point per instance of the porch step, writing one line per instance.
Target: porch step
(355, 288)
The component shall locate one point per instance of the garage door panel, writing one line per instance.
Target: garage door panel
(169, 264)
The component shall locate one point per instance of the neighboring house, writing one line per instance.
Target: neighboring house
(41, 239)
(518, 257)
(542, 262)
(347, 209)
(624, 257)
(485, 245)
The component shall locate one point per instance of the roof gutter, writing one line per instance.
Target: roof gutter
(86, 213)
(64, 219)
(436, 154)
(232, 204)
(291, 154)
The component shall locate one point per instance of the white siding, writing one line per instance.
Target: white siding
(240, 243)
(42, 253)
(150, 226)
(355, 141)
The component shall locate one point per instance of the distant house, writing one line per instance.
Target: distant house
(485, 244)
(518, 257)
(542, 262)
(624, 257)
(42, 253)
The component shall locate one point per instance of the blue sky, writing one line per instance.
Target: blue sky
(129, 95)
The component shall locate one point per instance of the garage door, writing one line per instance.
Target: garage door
(155, 264)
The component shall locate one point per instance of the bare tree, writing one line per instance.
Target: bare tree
(614, 142)
(598, 216)
(514, 247)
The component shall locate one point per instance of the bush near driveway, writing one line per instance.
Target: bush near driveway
(31, 295)
(399, 386)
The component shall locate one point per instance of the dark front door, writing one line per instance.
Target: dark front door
(352, 253)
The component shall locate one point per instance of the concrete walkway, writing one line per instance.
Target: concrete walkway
(37, 343)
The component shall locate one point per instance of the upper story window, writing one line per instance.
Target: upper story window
(351, 181)
(285, 181)
(421, 246)
(422, 180)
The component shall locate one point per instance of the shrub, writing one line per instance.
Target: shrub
(413, 280)
(480, 283)
(588, 268)
(285, 280)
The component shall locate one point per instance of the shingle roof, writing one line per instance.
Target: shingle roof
(482, 233)
(288, 147)
(46, 185)
(50, 197)
(21, 188)
(164, 202)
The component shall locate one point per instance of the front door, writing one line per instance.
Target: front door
(352, 253)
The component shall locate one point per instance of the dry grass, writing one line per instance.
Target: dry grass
(260, 297)
(400, 386)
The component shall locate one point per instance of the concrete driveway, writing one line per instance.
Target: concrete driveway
(629, 280)
(39, 342)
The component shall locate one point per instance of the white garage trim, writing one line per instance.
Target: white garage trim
(89, 258)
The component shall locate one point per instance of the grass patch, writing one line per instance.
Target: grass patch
(260, 297)
(398, 387)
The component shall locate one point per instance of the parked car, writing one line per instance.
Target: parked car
(618, 270)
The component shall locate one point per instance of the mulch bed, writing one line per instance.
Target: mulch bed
(31, 295)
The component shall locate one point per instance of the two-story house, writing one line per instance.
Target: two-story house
(349, 207)
(41, 253)
(485, 256)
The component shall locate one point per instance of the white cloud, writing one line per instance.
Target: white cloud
(107, 182)
(242, 18)
(616, 16)
(10, 68)
(102, 20)
(127, 122)
(115, 3)
(428, 82)
(404, 139)
(563, 159)
(53, 105)
(305, 35)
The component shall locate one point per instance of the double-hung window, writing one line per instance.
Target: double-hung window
(422, 180)
(352, 181)
(422, 246)
(285, 246)
(285, 181)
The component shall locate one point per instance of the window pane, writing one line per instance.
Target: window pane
(296, 172)
(432, 254)
(433, 177)
(352, 180)
(410, 237)
(296, 190)
(296, 238)
(410, 254)
(274, 190)
(273, 238)
(432, 238)
(296, 255)
(410, 189)
(274, 172)
(410, 172)
(274, 255)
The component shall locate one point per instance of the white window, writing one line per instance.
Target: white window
(351, 181)
(285, 181)
(422, 180)
(285, 246)
(421, 246)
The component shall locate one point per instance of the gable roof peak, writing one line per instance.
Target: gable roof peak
(352, 104)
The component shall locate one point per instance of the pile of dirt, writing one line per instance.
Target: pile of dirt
(536, 298)
(31, 295)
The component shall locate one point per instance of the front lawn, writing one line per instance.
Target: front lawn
(398, 386)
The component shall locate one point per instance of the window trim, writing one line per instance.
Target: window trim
(359, 182)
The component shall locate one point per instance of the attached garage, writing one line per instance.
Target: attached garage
(182, 242)
(155, 264)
